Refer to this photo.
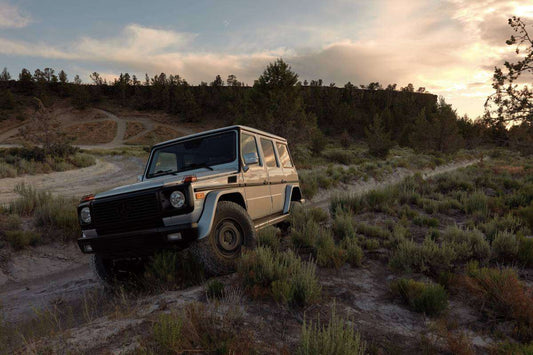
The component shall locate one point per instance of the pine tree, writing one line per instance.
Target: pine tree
(378, 139)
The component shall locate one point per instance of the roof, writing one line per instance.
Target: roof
(228, 128)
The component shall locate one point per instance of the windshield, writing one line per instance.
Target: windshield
(202, 152)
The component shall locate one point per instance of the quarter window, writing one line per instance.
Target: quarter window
(268, 150)
(284, 155)
(249, 145)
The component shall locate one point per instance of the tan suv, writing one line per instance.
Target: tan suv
(209, 191)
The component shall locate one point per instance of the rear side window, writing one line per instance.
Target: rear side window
(249, 145)
(268, 151)
(284, 156)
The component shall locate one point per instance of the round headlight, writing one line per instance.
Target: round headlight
(177, 199)
(85, 215)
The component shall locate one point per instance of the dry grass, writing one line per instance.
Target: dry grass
(133, 128)
(337, 337)
(158, 134)
(200, 328)
(92, 132)
(501, 296)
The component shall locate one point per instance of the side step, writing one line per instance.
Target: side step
(270, 220)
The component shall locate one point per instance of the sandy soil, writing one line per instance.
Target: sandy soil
(109, 171)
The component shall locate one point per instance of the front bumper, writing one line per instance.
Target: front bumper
(140, 242)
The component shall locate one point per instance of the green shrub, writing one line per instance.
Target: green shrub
(207, 328)
(268, 237)
(372, 231)
(525, 251)
(309, 186)
(467, 244)
(337, 337)
(282, 275)
(327, 253)
(7, 171)
(526, 213)
(505, 246)
(214, 289)
(167, 332)
(426, 221)
(354, 253)
(163, 267)
(346, 202)
(29, 198)
(428, 257)
(59, 215)
(82, 160)
(430, 299)
(169, 268)
(449, 204)
(508, 348)
(370, 244)
(476, 203)
(21, 239)
(343, 226)
(301, 215)
(306, 235)
(9, 222)
(509, 222)
(339, 156)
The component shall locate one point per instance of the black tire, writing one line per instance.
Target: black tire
(232, 229)
(115, 273)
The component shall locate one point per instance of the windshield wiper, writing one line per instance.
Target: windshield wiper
(197, 165)
(163, 172)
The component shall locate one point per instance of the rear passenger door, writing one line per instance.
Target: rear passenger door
(290, 176)
(275, 174)
(256, 188)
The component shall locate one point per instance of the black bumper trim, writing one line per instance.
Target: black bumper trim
(139, 242)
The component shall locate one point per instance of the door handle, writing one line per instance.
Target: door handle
(283, 181)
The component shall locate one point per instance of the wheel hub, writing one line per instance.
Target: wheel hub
(229, 237)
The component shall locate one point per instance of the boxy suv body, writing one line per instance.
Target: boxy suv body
(208, 192)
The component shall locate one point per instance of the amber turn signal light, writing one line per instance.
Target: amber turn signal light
(86, 198)
(199, 195)
(190, 178)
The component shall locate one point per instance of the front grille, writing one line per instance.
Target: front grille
(115, 215)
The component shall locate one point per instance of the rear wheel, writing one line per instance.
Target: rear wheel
(231, 230)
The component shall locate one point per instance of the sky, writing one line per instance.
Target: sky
(450, 47)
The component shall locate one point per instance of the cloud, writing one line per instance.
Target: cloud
(12, 17)
(449, 47)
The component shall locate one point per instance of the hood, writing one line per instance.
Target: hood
(201, 174)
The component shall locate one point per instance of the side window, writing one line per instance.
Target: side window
(249, 145)
(284, 155)
(268, 150)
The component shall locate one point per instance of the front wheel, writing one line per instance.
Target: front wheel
(114, 273)
(231, 230)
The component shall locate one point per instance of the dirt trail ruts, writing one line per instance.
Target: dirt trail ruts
(322, 198)
(108, 172)
(118, 140)
(68, 283)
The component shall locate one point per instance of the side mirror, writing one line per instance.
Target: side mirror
(251, 158)
(139, 178)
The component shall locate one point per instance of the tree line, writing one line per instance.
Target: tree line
(303, 112)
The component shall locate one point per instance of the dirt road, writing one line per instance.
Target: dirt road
(109, 171)
(40, 276)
